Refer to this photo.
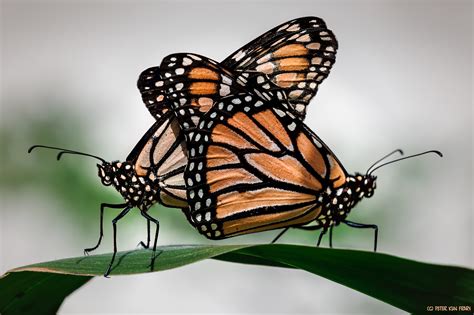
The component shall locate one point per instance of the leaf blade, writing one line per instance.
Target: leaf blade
(406, 284)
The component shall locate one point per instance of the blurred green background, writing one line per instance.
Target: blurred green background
(403, 79)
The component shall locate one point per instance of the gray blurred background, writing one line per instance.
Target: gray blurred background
(403, 79)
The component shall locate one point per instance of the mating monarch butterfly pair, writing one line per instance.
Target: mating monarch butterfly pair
(229, 146)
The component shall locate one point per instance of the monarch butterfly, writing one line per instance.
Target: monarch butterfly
(254, 166)
(295, 57)
(151, 173)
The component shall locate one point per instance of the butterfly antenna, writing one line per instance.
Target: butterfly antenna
(383, 158)
(65, 151)
(407, 157)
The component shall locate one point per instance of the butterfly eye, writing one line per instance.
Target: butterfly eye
(106, 181)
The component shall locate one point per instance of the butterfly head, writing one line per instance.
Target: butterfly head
(106, 173)
(123, 177)
(116, 172)
(338, 202)
(362, 185)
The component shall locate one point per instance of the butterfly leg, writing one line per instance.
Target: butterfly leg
(320, 238)
(279, 235)
(150, 218)
(365, 226)
(147, 245)
(114, 223)
(102, 207)
(330, 236)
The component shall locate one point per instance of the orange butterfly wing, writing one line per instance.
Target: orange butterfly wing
(253, 166)
(296, 56)
(161, 156)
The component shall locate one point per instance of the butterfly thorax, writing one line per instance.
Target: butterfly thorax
(137, 190)
(337, 203)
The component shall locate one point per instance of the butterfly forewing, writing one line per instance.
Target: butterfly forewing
(161, 156)
(253, 166)
(152, 93)
(295, 56)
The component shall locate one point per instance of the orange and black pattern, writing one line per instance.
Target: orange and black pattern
(160, 158)
(254, 167)
(193, 83)
(295, 57)
(299, 54)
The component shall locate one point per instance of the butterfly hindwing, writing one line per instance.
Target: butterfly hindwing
(193, 83)
(253, 166)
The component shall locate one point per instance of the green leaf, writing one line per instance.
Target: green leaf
(406, 284)
(36, 292)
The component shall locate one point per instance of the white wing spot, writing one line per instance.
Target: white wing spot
(225, 90)
(313, 46)
(239, 55)
(283, 27)
(264, 58)
(226, 80)
(195, 57)
(279, 112)
(187, 61)
(292, 126)
(305, 38)
(293, 28)
(293, 37)
(300, 107)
